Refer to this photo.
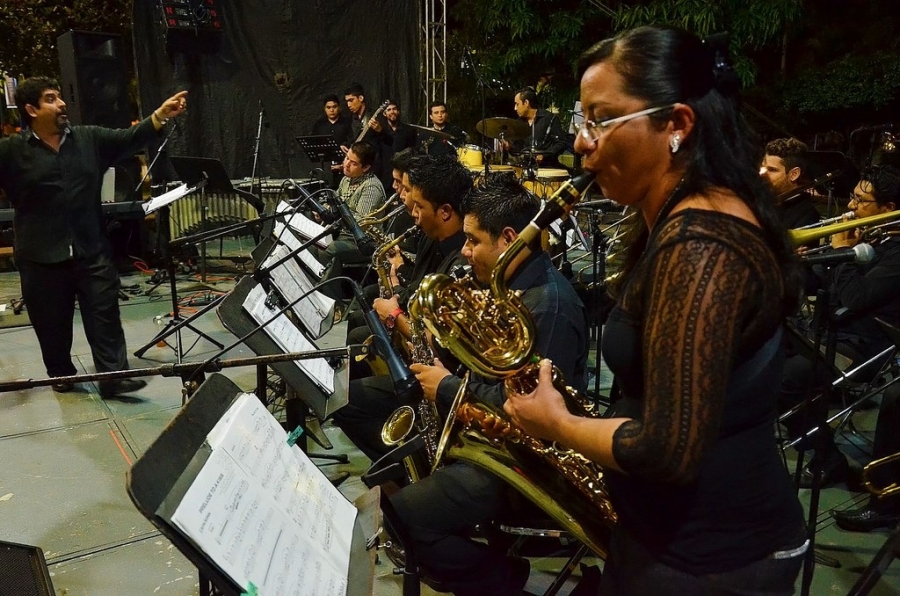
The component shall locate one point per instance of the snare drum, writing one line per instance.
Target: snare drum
(546, 181)
(470, 156)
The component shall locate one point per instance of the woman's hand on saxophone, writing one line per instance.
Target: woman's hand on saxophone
(540, 412)
(430, 377)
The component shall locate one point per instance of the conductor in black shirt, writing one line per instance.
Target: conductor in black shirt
(52, 174)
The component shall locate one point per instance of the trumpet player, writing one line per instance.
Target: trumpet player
(441, 509)
(865, 292)
(784, 170)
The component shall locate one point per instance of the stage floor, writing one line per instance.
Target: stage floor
(65, 458)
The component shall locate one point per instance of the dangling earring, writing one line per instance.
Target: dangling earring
(675, 143)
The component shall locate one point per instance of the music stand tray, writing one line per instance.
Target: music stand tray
(321, 148)
(160, 474)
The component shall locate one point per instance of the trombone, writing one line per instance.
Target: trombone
(800, 236)
(880, 491)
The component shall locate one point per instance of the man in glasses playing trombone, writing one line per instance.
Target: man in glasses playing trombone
(863, 292)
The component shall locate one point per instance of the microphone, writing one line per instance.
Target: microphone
(861, 253)
(601, 205)
(324, 213)
(406, 385)
(363, 242)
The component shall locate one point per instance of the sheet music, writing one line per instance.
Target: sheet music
(293, 243)
(291, 283)
(289, 338)
(164, 199)
(263, 511)
(303, 226)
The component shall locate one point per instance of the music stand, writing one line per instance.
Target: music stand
(176, 323)
(240, 323)
(321, 148)
(192, 170)
(173, 457)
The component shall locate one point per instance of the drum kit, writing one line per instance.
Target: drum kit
(540, 181)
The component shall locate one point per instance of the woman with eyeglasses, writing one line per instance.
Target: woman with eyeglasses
(704, 503)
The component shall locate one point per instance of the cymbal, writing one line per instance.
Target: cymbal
(529, 152)
(510, 128)
(435, 133)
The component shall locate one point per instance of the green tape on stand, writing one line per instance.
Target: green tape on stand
(295, 434)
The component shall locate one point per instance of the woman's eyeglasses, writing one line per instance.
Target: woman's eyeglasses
(592, 131)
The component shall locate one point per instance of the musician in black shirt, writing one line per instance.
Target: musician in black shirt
(51, 173)
(333, 123)
(440, 145)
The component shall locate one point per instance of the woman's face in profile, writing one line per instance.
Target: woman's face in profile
(627, 157)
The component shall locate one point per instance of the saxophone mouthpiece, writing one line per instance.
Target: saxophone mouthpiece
(562, 201)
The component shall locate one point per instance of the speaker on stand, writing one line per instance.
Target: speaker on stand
(94, 79)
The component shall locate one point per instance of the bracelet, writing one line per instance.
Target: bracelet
(396, 312)
(159, 120)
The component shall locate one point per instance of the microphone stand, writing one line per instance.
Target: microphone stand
(825, 305)
(480, 83)
(163, 232)
(159, 151)
(259, 127)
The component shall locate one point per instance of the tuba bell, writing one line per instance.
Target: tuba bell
(491, 332)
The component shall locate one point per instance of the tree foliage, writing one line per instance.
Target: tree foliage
(29, 28)
(750, 25)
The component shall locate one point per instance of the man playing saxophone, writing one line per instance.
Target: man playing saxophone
(441, 510)
(434, 186)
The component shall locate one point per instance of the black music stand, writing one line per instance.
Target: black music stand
(320, 149)
(177, 454)
(240, 323)
(176, 323)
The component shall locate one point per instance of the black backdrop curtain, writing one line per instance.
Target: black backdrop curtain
(282, 56)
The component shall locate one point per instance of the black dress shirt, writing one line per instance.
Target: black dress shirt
(56, 195)
(340, 130)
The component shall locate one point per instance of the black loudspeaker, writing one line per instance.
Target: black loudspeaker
(23, 571)
(93, 78)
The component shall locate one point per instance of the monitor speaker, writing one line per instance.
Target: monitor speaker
(23, 571)
(94, 79)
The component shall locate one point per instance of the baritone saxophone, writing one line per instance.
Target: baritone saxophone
(493, 334)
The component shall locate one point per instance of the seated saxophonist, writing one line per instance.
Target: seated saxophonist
(361, 190)
(434, 186)
(400, 268)
(441, 510)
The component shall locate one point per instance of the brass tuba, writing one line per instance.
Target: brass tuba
(491, 332)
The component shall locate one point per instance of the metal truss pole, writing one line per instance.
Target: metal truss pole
(434, 50)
